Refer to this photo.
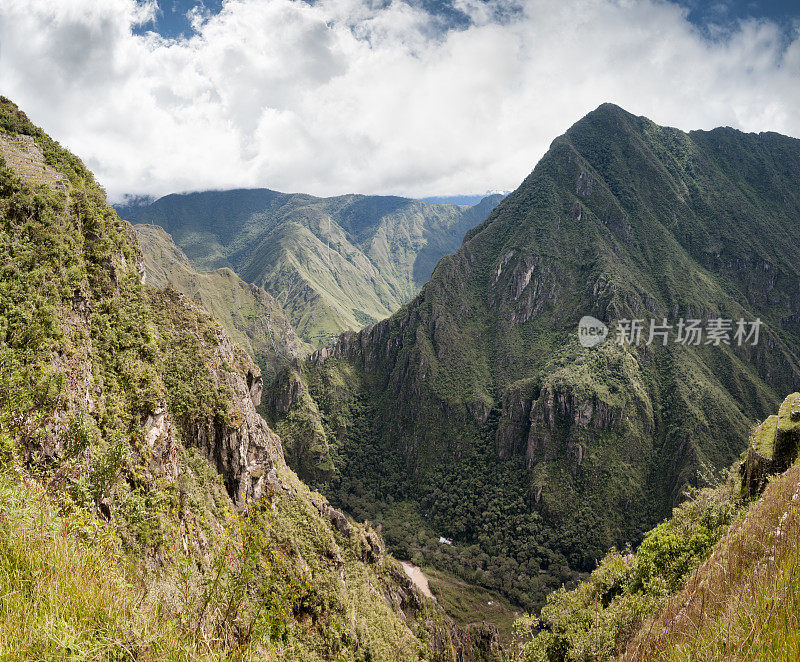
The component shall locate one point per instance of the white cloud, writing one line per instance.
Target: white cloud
(349, 95)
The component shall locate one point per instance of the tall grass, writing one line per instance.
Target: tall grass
(62, 592)
(743, 602)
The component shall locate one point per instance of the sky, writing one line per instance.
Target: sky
(410, 97)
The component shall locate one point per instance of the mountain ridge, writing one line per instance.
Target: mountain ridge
(251, 317)
(147, 509)
(481, 374)
(333, 263)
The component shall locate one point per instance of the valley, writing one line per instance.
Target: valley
(333, 264)
(474, 413)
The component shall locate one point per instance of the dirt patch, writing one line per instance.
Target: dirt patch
(418, 578)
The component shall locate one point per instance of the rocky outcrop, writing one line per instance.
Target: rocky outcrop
(773, 446)
(241, 445)
(337, 518)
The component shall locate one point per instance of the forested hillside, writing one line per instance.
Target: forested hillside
(717, 580)
(474, 412)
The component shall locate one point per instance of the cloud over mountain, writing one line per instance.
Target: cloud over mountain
(345, 95)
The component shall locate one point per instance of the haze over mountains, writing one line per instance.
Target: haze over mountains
(473, 412)
(333, 264)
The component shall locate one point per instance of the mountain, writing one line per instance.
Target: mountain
(463, 199)
(333, 264)
(475, 413)
(252, 318)
(146, 509)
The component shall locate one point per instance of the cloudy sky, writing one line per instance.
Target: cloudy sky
(414, 97)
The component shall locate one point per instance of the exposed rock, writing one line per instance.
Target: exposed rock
(336, 517)
(773, 447)
(584, 184)
(155, 425)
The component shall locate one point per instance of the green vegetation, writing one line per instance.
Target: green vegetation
(763, 437)
(470, 605)
(129, 453)
(742, 602)
(473, 412)
(596, 620)
(252, 318)
(334, 264)
(714, 581)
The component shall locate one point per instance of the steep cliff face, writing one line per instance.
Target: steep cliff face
(621, 220)
(130, 413)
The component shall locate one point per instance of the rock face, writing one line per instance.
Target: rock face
(243, 448)
(123, 400)
(296, 418)
(773, 447)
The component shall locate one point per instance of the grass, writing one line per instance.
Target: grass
(743, 602)
(114, 546)
(65, 594)
(763, 439)
(468, 604)
(789, 414)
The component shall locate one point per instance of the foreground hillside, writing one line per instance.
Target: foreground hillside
(334, 264)
(252, 318)
(474, 413)
(146, 510)
(715, 581)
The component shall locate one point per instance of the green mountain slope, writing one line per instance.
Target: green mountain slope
(146, 510)
(334, 264)
(474, 413)
(252, 318)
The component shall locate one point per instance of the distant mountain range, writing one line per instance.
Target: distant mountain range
(333, 264)
(463, 199)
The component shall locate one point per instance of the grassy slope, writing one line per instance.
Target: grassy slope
(333, 263)
(743, 603)
(469, 604)
(116, 545)
(251, 317)
(620, 219)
